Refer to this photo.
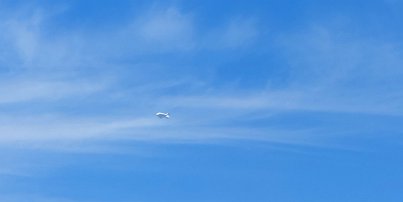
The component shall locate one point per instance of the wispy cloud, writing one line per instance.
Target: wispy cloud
(27, 45)
(26, 42)
(289, 100)
(51, 128)
(20, 90)
(68, 93)
(344, 69)
(323, 65)
(237, 33)
(335, 55)
(32, 197)
(168, 28)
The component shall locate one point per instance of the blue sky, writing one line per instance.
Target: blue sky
(285, 101)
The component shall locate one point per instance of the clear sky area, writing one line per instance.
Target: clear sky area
(269, 101)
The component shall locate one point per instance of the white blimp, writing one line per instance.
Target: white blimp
(162, 115)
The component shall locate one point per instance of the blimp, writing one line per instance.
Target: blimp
(162, 115)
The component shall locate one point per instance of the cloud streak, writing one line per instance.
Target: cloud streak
(321, 63)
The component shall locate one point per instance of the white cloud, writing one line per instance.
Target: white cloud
(337, 69)
(288, 100)
(51, 128)
(239, 32)
(32, 197)
(322, 62)
(236, 33)
(165, 27)
(25, 35)
(28, 89)
(26, 43)
(332, 56)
